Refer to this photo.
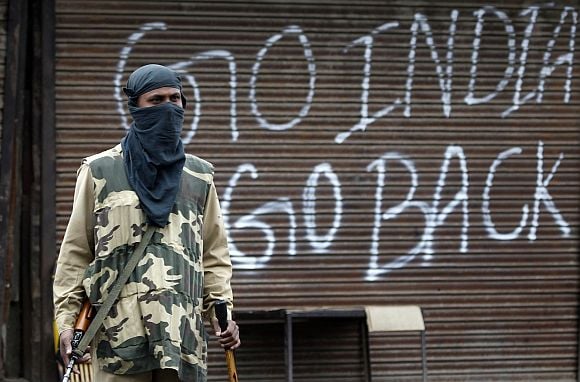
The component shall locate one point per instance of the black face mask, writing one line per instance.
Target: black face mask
(158, 129)
(154, 157)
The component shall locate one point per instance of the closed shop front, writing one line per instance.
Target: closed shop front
(366, 153)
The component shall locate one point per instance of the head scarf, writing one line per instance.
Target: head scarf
(152, 149)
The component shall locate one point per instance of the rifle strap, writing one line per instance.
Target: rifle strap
(113, 294)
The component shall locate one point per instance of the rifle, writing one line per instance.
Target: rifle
(83, 321)
(221, 312)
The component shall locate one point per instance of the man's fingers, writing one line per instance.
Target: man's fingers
(234, 344)
(85, 358)
(65, 345)
(230, 339)
(231, 344)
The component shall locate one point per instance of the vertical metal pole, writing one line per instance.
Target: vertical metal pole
(289, 348)
(424, 355)
(364, 335)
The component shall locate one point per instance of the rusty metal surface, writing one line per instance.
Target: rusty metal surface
(366, 153)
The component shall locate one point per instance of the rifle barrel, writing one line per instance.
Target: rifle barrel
(69, 370)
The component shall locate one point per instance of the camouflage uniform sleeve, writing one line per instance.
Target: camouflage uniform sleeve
(217, 265)
(76, 252)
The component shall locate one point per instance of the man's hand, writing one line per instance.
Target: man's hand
(230, 339)
(66, 349)
(65, 345)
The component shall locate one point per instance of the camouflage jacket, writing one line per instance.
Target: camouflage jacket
(157, 321)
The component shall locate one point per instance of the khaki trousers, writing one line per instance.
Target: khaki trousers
(162, 375)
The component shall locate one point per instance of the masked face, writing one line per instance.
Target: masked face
(158, 120)
(158, 128)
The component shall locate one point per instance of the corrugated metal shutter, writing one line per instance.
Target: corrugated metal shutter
(369, 152)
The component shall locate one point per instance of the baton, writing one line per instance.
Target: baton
(221, 312)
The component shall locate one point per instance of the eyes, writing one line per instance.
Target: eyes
(158, 99)
(160, 96)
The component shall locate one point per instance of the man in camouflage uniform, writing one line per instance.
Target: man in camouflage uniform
(155, 330)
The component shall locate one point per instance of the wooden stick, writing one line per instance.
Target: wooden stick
(221, 312)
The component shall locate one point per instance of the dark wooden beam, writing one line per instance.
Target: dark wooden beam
(27, 194)
(38, 197)
(10, 175)
(47, 158)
